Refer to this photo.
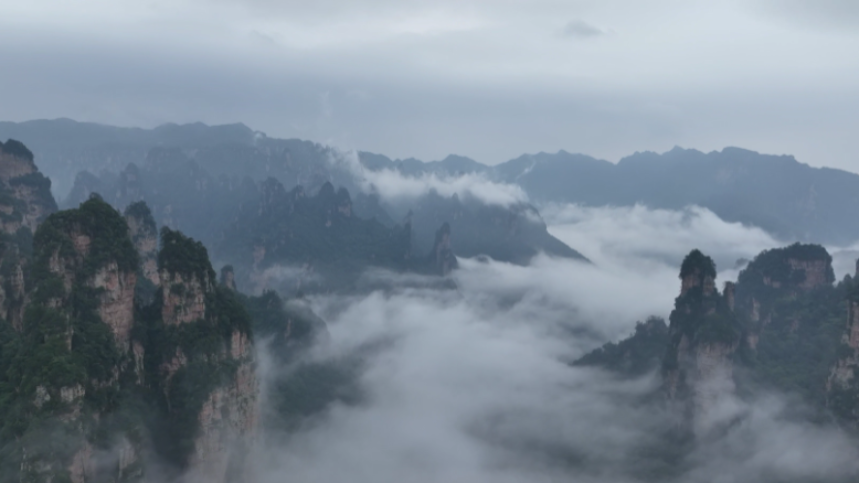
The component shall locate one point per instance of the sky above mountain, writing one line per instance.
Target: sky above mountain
(488, 80)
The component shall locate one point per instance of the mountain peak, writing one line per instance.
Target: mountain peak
(16, 148)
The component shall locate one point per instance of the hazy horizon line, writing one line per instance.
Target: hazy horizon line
(335, 146)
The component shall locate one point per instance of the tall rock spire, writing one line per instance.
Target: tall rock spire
(703, 337)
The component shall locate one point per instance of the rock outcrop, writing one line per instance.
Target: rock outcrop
(703, 338)
(97, 382)
(208, 379)
(842, 384)
(228, 421)
(792, 270)
(228, 277)
(781, 329)
(25, 194)
(116, 300)
(775, 278)
(184, 297)
(144, 235)
(850, 337)
(25, 201)
(291, 240)
(442, 258)
(89, 247)
(513, 233)
(76, 344)
(816, 272)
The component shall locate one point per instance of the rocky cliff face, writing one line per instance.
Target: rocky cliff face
(74, 361)
(792, 270)
(816, 272)
(316, 239)
(794, 319)
(514, 233)
(184, 297)
(703, 338)
(25, 194)
(766, 287)
(781, 329)
(228, 278)
(842, 383)
(116, 300)
(144, 235)
(851, 335)
(25, 201)
(89, 358)
(442, 257)
(207, 369)
(228, 421)
(89, 247)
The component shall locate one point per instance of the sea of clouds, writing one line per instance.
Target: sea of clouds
(474, 383)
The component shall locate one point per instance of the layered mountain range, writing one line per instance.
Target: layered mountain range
(789, 199)
(322, 233)
(124, 356)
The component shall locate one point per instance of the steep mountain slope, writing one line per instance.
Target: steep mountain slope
(318, 235)
(512, 234)
(103, 377)
(93, 381)
(200, 358)
(70, 366)
(25, 201)
(236, 217)
(121, 357)
(64, 147)
(704, 336)
(783, 326)
(178, 191)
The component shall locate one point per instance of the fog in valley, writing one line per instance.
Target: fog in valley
(475, 384)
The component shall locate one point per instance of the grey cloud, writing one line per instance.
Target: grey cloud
(768, 443)
(393, 186)
(470, 389)
(472, 383)
(610, 234)
(474, 89)
(581, 29)
(844, 260)
(838, 16)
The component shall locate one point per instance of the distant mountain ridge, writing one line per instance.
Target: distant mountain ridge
(791, 200)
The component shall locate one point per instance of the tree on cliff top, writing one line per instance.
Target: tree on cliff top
(774, 264)
(16, 148)
(184, 255)
(697, 261)
(102, 224)
(140, 210)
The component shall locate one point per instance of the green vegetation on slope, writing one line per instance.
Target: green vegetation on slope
(182, 255)
(634, 356)
(64, 345)
(94, 224)
(202, 347)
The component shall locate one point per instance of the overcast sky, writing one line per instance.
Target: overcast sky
(488, 80)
